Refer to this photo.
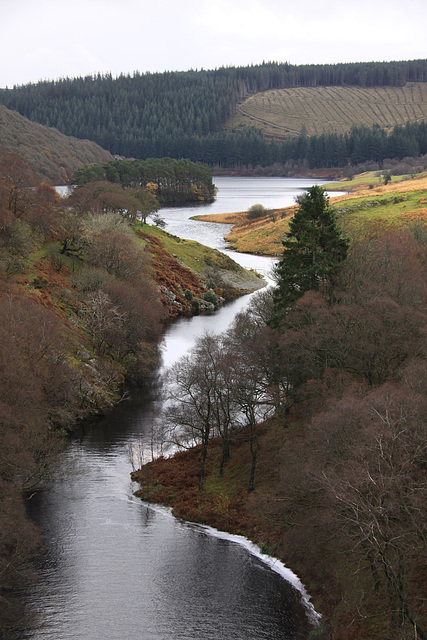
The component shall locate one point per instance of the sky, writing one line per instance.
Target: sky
(52, 39)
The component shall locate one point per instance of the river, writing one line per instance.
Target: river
(116, 568)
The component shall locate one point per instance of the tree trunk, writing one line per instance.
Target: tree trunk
(254, 453)
(203, 455)
(225, 455)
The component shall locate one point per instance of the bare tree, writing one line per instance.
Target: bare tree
(251, 376)
(223, 385)
(194, 410)
(381, 495)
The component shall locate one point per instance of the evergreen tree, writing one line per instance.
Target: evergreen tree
(314, 248)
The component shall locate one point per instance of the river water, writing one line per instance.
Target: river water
(116, 568)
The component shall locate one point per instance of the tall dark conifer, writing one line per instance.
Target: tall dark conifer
(314, 248)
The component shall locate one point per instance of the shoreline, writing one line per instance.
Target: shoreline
(263, 236)
(275, 564)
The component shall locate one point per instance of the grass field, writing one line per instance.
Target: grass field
(284, 112)
(366, 180)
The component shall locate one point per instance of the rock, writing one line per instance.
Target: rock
(169, 295)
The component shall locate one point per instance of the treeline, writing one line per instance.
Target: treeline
(361, 144)
(176, 181)
(249, 148)
(168, 114)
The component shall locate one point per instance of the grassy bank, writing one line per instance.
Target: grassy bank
(189, 270)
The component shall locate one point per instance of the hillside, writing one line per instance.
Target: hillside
(287, 112)
(185, 114)
(53, 156)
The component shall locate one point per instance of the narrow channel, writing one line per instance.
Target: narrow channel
(116, 568)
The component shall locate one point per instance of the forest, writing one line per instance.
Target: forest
(249, 148)
(183, 114)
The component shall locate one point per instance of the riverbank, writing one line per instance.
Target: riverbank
(264, 515)
(84, 303)
(186, 271)
(280, 172)
(289, 514)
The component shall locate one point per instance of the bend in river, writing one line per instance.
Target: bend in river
(118, 568)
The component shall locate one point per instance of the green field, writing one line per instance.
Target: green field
(285, 112)
(366, 180)
(391, 209)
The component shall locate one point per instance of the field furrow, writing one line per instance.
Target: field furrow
(281, 112)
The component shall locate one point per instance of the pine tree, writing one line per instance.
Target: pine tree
(314, 248)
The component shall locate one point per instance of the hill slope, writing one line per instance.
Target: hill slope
(52, 155)
(183, 114)
(284, 112)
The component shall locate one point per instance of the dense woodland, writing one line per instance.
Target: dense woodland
(175, 181)
(249, 148)
(182, 114)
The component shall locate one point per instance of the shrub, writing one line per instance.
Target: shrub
(210, 296)
(188, 295)
(256, 211)
(40, 283)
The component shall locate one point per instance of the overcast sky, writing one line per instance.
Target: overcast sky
(50, 39)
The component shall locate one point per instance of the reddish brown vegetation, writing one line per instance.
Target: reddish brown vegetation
(52, 155)
(75, 319)
(174, 482)
(169, 273)
(38, 393)
(341, 491)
